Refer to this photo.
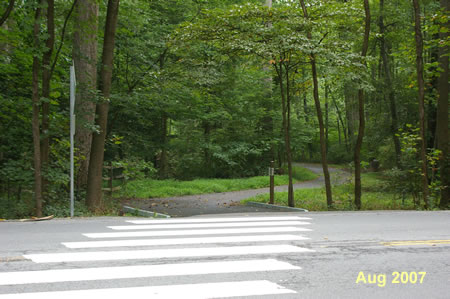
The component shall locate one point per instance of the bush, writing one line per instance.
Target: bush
(337, 153)
(135, 168)
(13, 208)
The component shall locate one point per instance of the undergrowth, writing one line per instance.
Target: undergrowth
(149, 188)
(375, 196)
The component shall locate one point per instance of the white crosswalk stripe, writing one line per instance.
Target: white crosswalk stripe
(183, 241)
(217, 220)
(198, 291)
(104, 273)
(202, 225)
(162, 253)
(219, 231)
(191, 243)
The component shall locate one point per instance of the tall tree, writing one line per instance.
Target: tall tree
(442, 133)
(421, 84)
(267, 119)
(85, 61)
(389, 84)
(323, 145)
(362, 121)
(94, 188)
(46, 79)
(36, 110)
(282, 70)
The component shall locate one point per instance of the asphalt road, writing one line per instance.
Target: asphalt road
(330, 255)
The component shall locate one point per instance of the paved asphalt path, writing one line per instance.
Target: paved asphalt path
(233, 255)
(226, 202)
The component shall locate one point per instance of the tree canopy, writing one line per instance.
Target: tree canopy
(219, 89)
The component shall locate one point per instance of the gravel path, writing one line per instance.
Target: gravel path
(226, 202)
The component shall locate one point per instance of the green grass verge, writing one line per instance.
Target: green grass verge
(25, 208)
(148, 188)
(374, 197)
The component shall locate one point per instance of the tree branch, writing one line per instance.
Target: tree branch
(62, 37)
(9, 9)
(137, 81)
(325, 35)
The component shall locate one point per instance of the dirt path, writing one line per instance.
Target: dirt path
(226, 202)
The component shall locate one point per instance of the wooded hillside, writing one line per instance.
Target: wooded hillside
(218, 89)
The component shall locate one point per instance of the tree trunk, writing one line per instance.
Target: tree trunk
(323, 146)
(36, 111)
(163, 168)
(94, 188)
(442, 133)
(285, 115)
(46, 79)
(339, 131)
(85, 61)
(306, 111)
(362, 121)
(291, 202)
(267, 120)
(341, 121)
(390, 89)
(326, 117)
(421, 84)
(350, 114)
(206, 151)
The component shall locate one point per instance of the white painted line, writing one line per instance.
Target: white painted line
(281, 229)
(207, 225)
(182, 241)
(162, 253)
(197, 291)
(105, 273)
(207, 220)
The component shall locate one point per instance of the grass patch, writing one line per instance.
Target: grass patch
(148, 188)
(374, 197)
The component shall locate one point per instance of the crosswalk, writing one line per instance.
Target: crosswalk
(226, 248)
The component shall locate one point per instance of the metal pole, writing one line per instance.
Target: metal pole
(72, 133)
(272, 182)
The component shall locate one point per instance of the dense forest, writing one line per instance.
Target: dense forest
(189, 89)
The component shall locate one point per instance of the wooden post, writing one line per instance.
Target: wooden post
(272, 183)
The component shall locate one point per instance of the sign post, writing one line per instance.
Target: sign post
(72, 133)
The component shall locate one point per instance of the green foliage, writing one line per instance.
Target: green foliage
(12, 208)
(148, 188)
(374, 197)
(135, 169)
(408, 180)
(17, 173)
(191, 95)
